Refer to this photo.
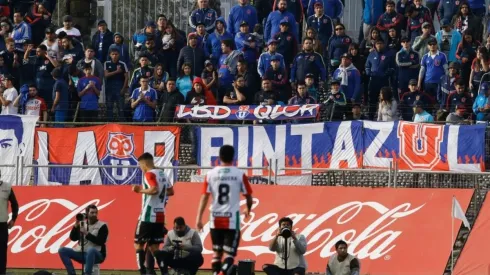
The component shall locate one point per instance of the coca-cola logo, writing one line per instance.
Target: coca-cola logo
(373, 242)
(46, 237)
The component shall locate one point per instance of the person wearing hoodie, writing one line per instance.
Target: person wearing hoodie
(333, 8)
(265, 58)
(448, 40)
(193, 55)
(480, 107)
(213, 43)
(102, 40)
(241, 12)
(122, 49)
(203, 14)
(276, 17)
(189, 242)
(350, 79)
(21, 32)
(139, 38)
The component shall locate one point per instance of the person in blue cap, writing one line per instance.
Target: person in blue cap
(480, 106)
(279, 79)
(275, 19)
(265, 58)
(287, 45)
(242, 36)
(322, 24)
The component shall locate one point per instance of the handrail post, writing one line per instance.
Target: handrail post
(395, 174)
(389, 174)
(270, 172)
(21, 168)
(275, 172)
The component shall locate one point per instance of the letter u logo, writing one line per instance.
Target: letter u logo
(420, 144)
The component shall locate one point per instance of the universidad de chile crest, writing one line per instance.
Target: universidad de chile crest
(120, 152)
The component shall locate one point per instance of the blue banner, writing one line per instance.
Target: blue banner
(349, 144)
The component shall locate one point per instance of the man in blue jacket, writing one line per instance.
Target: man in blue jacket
(287, 45)
(408, 62)
(332, 8)
(21, 32)
(213, 43)
(446, 84)
(307, 62)
(390, 19)
(265, 58)
(380, 67)
(102, 40)
(371, 12)
(350, 79)
(275, 18)
(242, 36)
(203, 14)
(241, 12)
(323, 24)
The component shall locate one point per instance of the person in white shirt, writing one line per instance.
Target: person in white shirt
(7, 96)
(52, 44)
(68, 27)
(31, 103)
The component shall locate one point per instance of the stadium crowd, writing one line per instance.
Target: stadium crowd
(262, 53)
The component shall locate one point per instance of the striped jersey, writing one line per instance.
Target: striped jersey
(224, 184)
(153, 206)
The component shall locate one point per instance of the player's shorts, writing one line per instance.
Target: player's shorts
(226, 240)
(149, 232)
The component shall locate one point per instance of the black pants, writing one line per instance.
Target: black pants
(270, 269)
(432, 8)
(88, 115)
(4, 237)
(191, 263)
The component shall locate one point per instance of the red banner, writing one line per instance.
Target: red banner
(474, 258)
(383, 227)
(111, 145)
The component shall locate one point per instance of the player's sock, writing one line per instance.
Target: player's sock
(216, 265)
(161, 265)
(227, 264)
(140, 260)
(150, 262)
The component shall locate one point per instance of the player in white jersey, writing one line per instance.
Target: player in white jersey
(150, 229)
(224, 183)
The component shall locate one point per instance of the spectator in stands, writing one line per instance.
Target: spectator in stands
(342, 262)
(446, 84)
(60, 97)
(258, 33)
(70, 50)
(171, 50)
(213, 43)
(21, 32)
(477, 7)
(336, 101)
(263, 8)
(389, 19)
(161, 26)
(39, 19)
(242, 36)
(310, 86)
(192, 55)
(118, 43)
(31, 103)
(447, 9)
(209, 78)
(158, 79)
(448, 40)
(237, 95)
(287, 45)
(250, 80)
(307, 62)
(227, 68)
(139, 38)
(42, 65)
(196, 95)
(302, 96)
(144, 101)
(9, 55)
(410, 97)
(480, 106)
(266, 96)
(350, 79)
(459, 97)
(486, 26)
(5, 31)
(380, 67)
(68, 28)
(203, 14)
(265, 58)
(420, 43)
(25, 71)
(89, 88)
(52, 44)
(102, 40)
(276, 17)
(479, 67)
(388, 107)
(459, 116)
(154, 56)
(295, 8)
(423, 9)
(408, 63)
(97, 67)
(421, 115)
(142, 70)
(8, 94)
(334, 8)
(394, 43)
(317, 45)
(279, 79)
(241, 12)
(116, 82)
(337, 46)
(184, 82)
(372, 10)
(171, 98)
(368, 44)
(466, 53)
(416, 21)
(202, 36)
(356, 113)
(466, 20)
(433, 67)
(322, 24)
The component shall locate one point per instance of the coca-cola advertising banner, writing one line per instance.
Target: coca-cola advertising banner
(387, 229)
(348, 144)
(247, 112)
(111, 145)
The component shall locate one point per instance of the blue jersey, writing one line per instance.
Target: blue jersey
(62, 87)
(434, 67)
(143, 112)
(90, 100)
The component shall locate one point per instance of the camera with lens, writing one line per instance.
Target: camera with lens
(177, 251)
(285, 233)
(81, 217)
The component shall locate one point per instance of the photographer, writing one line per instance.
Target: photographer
(93, 233)
(183, 248)
(290, 249)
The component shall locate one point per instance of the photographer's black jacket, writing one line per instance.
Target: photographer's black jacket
(100, 239)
